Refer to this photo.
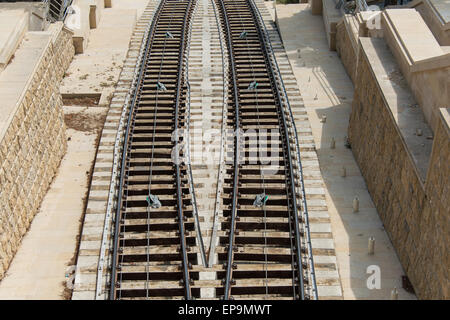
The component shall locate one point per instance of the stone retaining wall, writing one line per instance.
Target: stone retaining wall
(346, 50)
(62, 47)
(33, 145)
(414, 214)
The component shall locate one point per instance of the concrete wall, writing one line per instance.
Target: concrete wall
(95, 12)
(32, 140)
(331, 16)
(80, 23)
(86, 16)
(415, 214)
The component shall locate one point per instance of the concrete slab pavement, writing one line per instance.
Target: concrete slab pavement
(97, 69)
(138, 5)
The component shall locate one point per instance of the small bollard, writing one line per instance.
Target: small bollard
(323, 119)
(394, 294)
(343, 172)
(299, 53)
(356, 204)
(419, 132)
(371, 245)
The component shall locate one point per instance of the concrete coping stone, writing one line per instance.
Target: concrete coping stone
(438, 62)
(445, 116)
(412, 33)
(13, 25)
(17, 77)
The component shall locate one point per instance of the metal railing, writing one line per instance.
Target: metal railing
(57, 9)
(346, 7)
(361, 5)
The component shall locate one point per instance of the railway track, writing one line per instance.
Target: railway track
(260, 245)
(155, 235)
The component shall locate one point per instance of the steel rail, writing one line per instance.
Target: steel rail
(117, 155)
(263, 184)
(115, 169)
(151, 169)
(177, 165)
(139, 82)
(299, 163)
(287, 154)
(57, 10)
(125, 149)
(236, 156)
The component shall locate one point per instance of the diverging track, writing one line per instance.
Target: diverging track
(264, 242)
(260, 246)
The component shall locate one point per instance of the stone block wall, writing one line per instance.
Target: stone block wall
(62, 47)
(415, 215)
(437, 190)
(32, 146)
(346, 50)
